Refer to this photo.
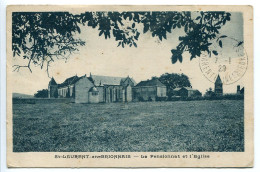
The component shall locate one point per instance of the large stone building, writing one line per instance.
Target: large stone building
(149, 90)
(97, 89)
(93, 89)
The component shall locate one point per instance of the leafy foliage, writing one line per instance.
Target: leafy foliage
(173, 80)
(41, 94)
(43, 37)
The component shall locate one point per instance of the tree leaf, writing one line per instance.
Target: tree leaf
(146, 28)
(220, 43)
(223, 36)
(173, 51)
(198, 18)
(180, 58)
(215, 52)
(100, 33)
(186, 27)
(240, 43)
(174, 59)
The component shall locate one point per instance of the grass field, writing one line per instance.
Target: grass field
(211, 126)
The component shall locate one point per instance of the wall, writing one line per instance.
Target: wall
(93, 98)
(81, 90)
(113, 93)
(161, 91)
(128, 93)
(101, 95)
(52, 91)
(144, 93)
(41, 100)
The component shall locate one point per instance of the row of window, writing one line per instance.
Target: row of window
(62, 92)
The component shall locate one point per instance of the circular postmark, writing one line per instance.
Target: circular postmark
(230, 64)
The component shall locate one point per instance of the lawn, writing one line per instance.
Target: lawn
(181, 126)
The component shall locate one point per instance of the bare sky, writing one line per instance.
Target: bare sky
(151, 58)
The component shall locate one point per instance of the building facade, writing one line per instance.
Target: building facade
(240, 91)
(186, 92)
(149, 90)
(93, 89)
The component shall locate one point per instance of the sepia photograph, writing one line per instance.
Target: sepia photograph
(130, 83)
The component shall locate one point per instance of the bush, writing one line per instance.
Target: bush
(141, 99)
(160, 98)
(213, 97)
(41, 93)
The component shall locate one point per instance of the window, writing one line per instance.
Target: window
(94, 93)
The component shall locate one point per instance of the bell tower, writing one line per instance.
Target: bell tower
(218, 86)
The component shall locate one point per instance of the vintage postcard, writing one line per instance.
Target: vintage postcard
(130, 86)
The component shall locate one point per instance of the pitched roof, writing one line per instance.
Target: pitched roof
(152, 82)
(187, 88)
(70, 81)
(177, 89)
(218, 80)
(93, 89)
(105, 80)
(124, 79)
(53, 82)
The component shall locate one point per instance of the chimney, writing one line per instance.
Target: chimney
(238, 89)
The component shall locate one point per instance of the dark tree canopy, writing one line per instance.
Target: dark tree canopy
(41, 94)
(43, 37)
(174, 80)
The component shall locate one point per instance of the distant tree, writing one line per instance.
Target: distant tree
(209, 93)
(197, 93)
(43, 37)
(173, 80)
(41, 94)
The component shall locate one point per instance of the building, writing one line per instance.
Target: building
(186, 92)
(67, 88)
(218, 87)
(149, 90)
(113, 89)
(93, 89)
(240, 91)
(52, 89)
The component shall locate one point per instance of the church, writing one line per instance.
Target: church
(93, 89)
(218, 87)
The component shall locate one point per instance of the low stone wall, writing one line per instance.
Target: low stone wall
(41, 100)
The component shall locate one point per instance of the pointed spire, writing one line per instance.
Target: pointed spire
(218, 80)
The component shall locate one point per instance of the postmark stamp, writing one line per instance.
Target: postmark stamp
(231, 67)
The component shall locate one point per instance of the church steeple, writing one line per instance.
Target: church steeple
(218, 80)
(218, 86)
